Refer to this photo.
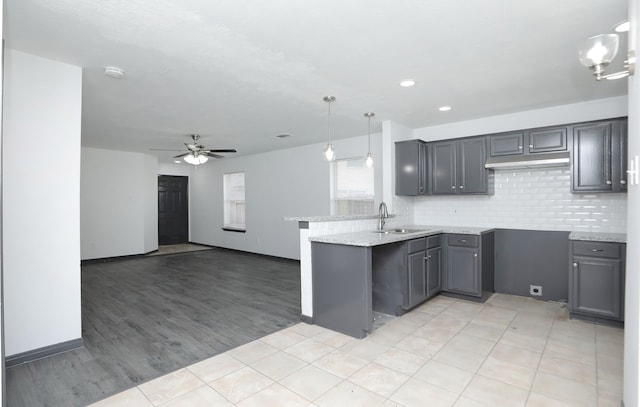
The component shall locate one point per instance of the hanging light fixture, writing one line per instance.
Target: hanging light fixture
(369, 160)
(329, 152)
(195, 158)
(596, 53)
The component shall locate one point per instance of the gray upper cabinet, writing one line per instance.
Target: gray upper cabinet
(457, 166)
(599, 157)
(547, 140)
(506, 144)
(411, 168)
(533, 141)
(596, 280)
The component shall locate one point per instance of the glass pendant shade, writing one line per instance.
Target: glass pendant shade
(329, 153)
(597, 52)
(368, 161)
(196, 159)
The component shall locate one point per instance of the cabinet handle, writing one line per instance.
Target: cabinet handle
(519, 147)
(453, 187)
(475, 254)
(623, 182)
(596, 250)
(530, 145)
(608, 182)
(427, 257)
(575, 264)
(462, 240)
(461, 186)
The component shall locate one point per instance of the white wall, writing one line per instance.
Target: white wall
(2, 350)
(41, 226)
(118, 196)
(632, 302)
(150, 207)
(536, 199)
(289, 182)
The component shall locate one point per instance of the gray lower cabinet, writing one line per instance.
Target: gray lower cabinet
(599, 157)
(469, 265)
(457, 167)
(596, 280)
(434, 271)
(411, 168)
(423, 271)
(406, 274)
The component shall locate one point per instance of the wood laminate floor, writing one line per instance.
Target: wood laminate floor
(144, 317)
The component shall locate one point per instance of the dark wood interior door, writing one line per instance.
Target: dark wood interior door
(173, 210)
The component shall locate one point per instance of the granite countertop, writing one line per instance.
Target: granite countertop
(331, 218)
(599, 237)
(371, 238)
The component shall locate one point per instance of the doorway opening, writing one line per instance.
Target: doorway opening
(173, 210)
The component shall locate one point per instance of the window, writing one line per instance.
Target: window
(351, 187)
(234, 201)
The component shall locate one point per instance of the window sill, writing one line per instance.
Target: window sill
(228, 229)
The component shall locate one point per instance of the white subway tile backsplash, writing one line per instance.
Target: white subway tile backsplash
(527, 199)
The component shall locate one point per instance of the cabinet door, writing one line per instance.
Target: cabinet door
(410, 167)
(619, 156)
(591, 160)
(596, 287)
(443, 168)
(547, 140)
(434, 271)
(463, 271)
(506, 144)
(472, 176)
(417, 279)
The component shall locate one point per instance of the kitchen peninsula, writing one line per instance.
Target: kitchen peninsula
(390, 272)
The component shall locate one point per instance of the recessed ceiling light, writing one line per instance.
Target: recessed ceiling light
(114, 72)
(444, 108)
(622, 27)
(177, 161)
(407, 83)
(283, 135)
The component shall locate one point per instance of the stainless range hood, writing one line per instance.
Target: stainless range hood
(543, 160)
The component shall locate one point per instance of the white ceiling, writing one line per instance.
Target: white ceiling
(239, 72)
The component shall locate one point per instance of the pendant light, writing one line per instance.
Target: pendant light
(329, 152)
(369, 160)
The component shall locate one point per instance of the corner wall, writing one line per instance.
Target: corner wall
(632, 300)
(41, 202)
(119, 203)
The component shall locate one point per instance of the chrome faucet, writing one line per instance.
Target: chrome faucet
(382, 215)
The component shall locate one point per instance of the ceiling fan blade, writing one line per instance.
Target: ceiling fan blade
(192, 147)
(182, 155)
(208, 154)
(161, 149)
(221, 150)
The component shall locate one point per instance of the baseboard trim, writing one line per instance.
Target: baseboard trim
(43, 352)
(306, 319)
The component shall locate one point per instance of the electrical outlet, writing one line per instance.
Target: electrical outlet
(535, 290)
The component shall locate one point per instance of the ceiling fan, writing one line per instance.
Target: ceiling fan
(196, 153)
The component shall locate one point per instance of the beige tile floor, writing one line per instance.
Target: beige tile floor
(510, 351)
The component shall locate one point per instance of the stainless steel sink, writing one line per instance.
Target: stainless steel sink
(398, 231)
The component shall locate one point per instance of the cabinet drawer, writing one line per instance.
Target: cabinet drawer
(433, 241)
(463, 240)
(417, 245)
(597, 249)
